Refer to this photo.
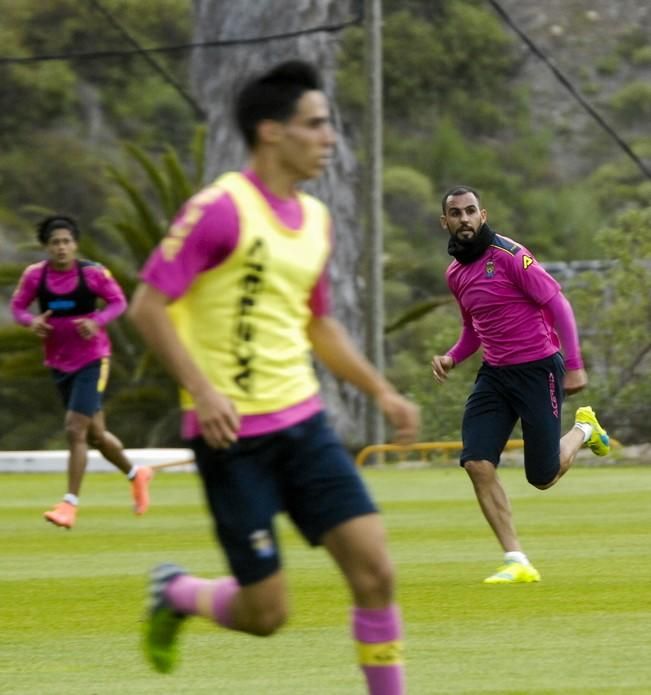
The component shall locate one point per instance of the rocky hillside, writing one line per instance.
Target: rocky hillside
(603, 47)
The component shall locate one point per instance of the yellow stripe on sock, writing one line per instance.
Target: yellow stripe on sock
(380, 654)
(104, 370)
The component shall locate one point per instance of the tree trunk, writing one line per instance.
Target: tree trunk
(217, 74)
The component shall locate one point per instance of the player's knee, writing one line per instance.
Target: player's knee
(480, 472)
(375, 583)
(76, 432)
(268, 620)
(543, 481)
(96, 438)
(545, 486)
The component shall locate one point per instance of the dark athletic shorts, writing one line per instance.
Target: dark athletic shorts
(82, 391)
(532, 392)
(303, 470)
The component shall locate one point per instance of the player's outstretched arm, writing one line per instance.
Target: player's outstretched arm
(218, 418)
(467, 344)
(560, 309)
(335, 349)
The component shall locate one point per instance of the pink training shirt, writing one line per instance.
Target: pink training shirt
(209, 243)
(502, 297)
(64, 348)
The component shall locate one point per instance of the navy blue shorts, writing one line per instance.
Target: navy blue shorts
(82, 390)
(531, 392)
(303, 470)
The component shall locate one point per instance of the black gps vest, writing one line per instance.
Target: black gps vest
(76, 303)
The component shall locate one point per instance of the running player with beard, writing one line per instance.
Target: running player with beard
(516, 313)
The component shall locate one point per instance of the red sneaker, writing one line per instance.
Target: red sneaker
(140, 489)
(64, 514)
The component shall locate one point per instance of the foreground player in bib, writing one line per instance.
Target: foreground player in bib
(515, 312)
(234, 301)
(77, 350)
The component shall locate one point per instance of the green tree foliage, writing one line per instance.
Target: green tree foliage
(59, 119)
(454, 57)
(412, 224)
(632, 103)
(31, 94)
(82, 28)
(29, 414)
(55, 171)
(618, 183)
(614, 307)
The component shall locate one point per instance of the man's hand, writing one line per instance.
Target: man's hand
(575, 380)
(218, 419)
(87, 328)
(40, 326)
(441, 365)
(403, 415)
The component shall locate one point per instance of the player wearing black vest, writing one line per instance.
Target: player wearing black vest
(77, 350)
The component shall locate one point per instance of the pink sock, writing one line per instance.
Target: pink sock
(226, 589)
(182, 594)
(384, 669)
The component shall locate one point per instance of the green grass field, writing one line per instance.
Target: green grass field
(71, 602)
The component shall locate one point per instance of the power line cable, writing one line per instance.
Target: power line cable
(570, 87)
(155, 65)
(177, 48)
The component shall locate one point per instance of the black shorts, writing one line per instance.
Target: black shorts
(531, 392)
(303, 470)
(82, 391)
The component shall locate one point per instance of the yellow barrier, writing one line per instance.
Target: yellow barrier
(421, 447)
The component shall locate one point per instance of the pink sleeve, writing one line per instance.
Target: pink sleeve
(560, 311)
(24, 294)
(468, 342)
(103, 284)
(201, 237)
(320, 301)
(532, 278)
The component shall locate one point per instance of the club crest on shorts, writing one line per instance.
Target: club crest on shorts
(490, 269)
(262, 543)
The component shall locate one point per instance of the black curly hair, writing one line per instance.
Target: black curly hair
(46, 226)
